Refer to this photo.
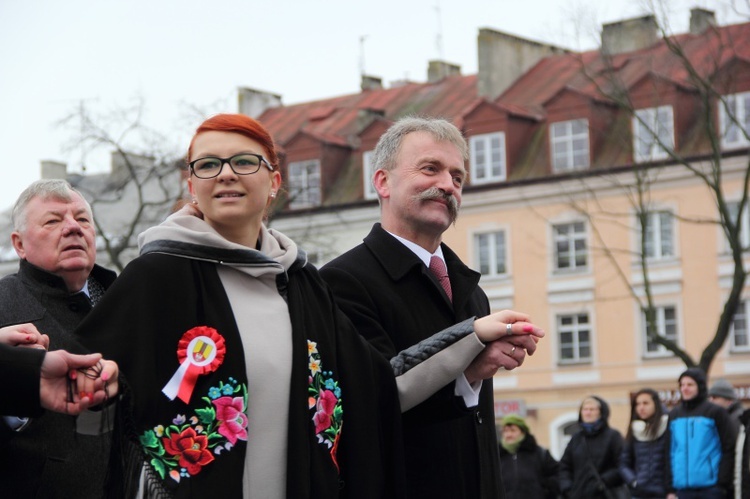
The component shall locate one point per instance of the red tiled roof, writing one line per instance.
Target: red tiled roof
(335, 120)
(591, 73)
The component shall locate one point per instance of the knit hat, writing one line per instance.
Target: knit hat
(515, 420)
(722, 388)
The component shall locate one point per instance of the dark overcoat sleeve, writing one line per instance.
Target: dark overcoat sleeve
(20, 369)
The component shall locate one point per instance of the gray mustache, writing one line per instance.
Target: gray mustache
(433, 193)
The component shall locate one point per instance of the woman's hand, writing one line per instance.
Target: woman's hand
(24, 335)
(102, 376)
(506, 324)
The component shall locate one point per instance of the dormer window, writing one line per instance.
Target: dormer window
(367, 172)
(487, 160)
(569, 143)
(653, 133)
(304, 184)
(735, 121)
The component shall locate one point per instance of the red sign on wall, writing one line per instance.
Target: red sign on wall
(510, 406)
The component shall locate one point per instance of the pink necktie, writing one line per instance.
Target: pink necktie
(437, 267)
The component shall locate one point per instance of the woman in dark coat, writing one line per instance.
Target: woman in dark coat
(528, 470)
(643, 460)
(589, 465)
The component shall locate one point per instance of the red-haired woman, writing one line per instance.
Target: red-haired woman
(243, 377)
(241, 372)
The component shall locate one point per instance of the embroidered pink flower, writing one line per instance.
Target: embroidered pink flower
(233, 421)
(326, 405)
(190, 448)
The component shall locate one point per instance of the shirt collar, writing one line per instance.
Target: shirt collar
(421, 253)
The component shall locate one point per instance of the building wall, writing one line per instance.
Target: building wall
(549, 391)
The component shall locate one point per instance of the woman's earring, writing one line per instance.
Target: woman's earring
(273, 194)
(195, 201)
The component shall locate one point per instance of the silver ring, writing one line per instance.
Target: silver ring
(512, 351)
(508, 330)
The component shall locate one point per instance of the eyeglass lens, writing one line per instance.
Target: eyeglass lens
(242, 164)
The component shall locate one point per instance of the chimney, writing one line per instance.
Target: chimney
(700, 19)
(371, 83)
(253, 103)
(502, 58)
(629, 35)
(54, 170)
(437, 70)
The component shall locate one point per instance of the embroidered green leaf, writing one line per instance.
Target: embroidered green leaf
(148, 439)
(206, 415)
(158, 465)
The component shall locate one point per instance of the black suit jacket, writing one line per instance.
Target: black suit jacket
(395, 302)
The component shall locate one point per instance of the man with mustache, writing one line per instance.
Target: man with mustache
(388, 289)
(56, 285)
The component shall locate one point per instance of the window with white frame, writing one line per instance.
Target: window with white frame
(304, 184)
(739, 334)
(574, 334)
(487, 157)
(367, 172)
(569, 143)
(665, 320)
(658, 235)
(653, 133)
(735, 120)
(489, 251)
(733, 208)
(571, 252)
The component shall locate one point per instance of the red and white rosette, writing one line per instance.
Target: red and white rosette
(200, 351)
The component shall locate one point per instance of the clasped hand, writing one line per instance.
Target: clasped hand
(509, 336)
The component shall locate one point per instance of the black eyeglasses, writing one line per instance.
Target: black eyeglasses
(241, 164)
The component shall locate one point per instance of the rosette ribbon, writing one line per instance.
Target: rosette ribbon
(200, 351)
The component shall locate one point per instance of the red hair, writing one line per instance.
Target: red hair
(244, 125)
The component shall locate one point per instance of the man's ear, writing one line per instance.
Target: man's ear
(380, 182)
(17, 241)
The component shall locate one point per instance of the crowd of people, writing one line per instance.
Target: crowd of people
(696, 450)
(225, 363)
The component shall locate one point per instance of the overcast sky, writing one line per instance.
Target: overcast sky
(179, 56)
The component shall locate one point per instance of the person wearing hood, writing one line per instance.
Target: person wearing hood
(243, 377)
(529, 470)
(643, 460)
(701, 443)
(589, 465)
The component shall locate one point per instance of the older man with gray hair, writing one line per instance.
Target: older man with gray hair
(57, 283)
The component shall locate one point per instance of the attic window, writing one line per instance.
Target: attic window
(304, 184)
(487, 158)
(735, 120)
(653, 133)
(569, 142)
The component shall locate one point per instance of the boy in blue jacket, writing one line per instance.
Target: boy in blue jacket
(701, 448)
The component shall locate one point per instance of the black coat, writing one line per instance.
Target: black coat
(600, 447)
(23, 366)
(530, 473)
(46, 458)
(395, 302)
(160, 296)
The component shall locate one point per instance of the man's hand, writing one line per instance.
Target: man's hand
(24, 335)
(57, 366)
